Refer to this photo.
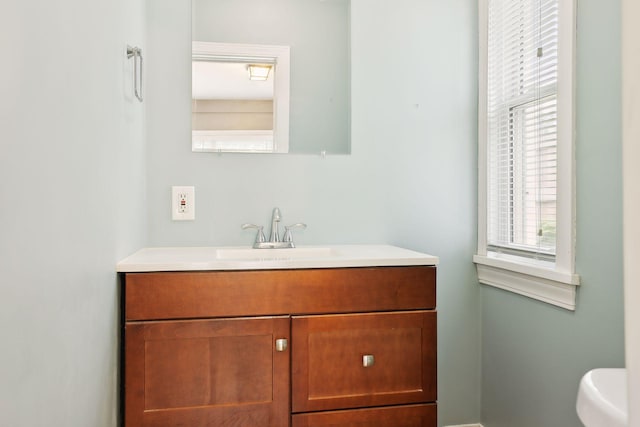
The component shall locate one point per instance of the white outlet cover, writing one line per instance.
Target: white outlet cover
(183, 203)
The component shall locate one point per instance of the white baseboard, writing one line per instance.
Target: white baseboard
(466, 425)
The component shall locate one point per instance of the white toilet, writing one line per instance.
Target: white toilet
(602, 398)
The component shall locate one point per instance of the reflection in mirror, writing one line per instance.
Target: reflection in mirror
(236, 115)
(317, 32)
(240, 98)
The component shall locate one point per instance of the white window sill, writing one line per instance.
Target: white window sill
(537, 280)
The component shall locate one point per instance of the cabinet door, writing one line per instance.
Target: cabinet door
(361, 360)
(207, 373)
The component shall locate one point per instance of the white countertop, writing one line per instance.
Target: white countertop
(245, 258)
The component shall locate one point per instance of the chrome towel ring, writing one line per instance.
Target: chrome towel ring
(136, 53)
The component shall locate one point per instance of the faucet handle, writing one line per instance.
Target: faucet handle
(260, 236)
(287, 231)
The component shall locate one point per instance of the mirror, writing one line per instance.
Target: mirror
(316, 34)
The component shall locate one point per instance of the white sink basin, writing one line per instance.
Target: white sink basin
(602, 398)
(275, 254)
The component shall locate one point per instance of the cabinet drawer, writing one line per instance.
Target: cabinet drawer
(206, 372)
(190, 295)
(360, 360)
(402, 416)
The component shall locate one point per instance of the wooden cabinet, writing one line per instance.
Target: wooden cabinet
(302, 348)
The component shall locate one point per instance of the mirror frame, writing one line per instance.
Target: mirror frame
(238, 52)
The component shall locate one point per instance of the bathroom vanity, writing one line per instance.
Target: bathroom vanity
(306, 337)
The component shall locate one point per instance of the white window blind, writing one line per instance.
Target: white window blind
(526, 180)
(522, 127)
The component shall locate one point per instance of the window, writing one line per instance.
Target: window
(526, 185)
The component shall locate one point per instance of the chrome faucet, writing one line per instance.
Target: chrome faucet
(274, 238)
(275, 219)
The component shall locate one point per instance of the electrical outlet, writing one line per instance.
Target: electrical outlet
(183, 203)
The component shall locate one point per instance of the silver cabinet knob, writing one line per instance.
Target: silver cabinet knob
(281, 344)
(368, 360)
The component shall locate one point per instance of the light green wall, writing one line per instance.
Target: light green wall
(410, 180)
(73, 203)
(533, 354)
